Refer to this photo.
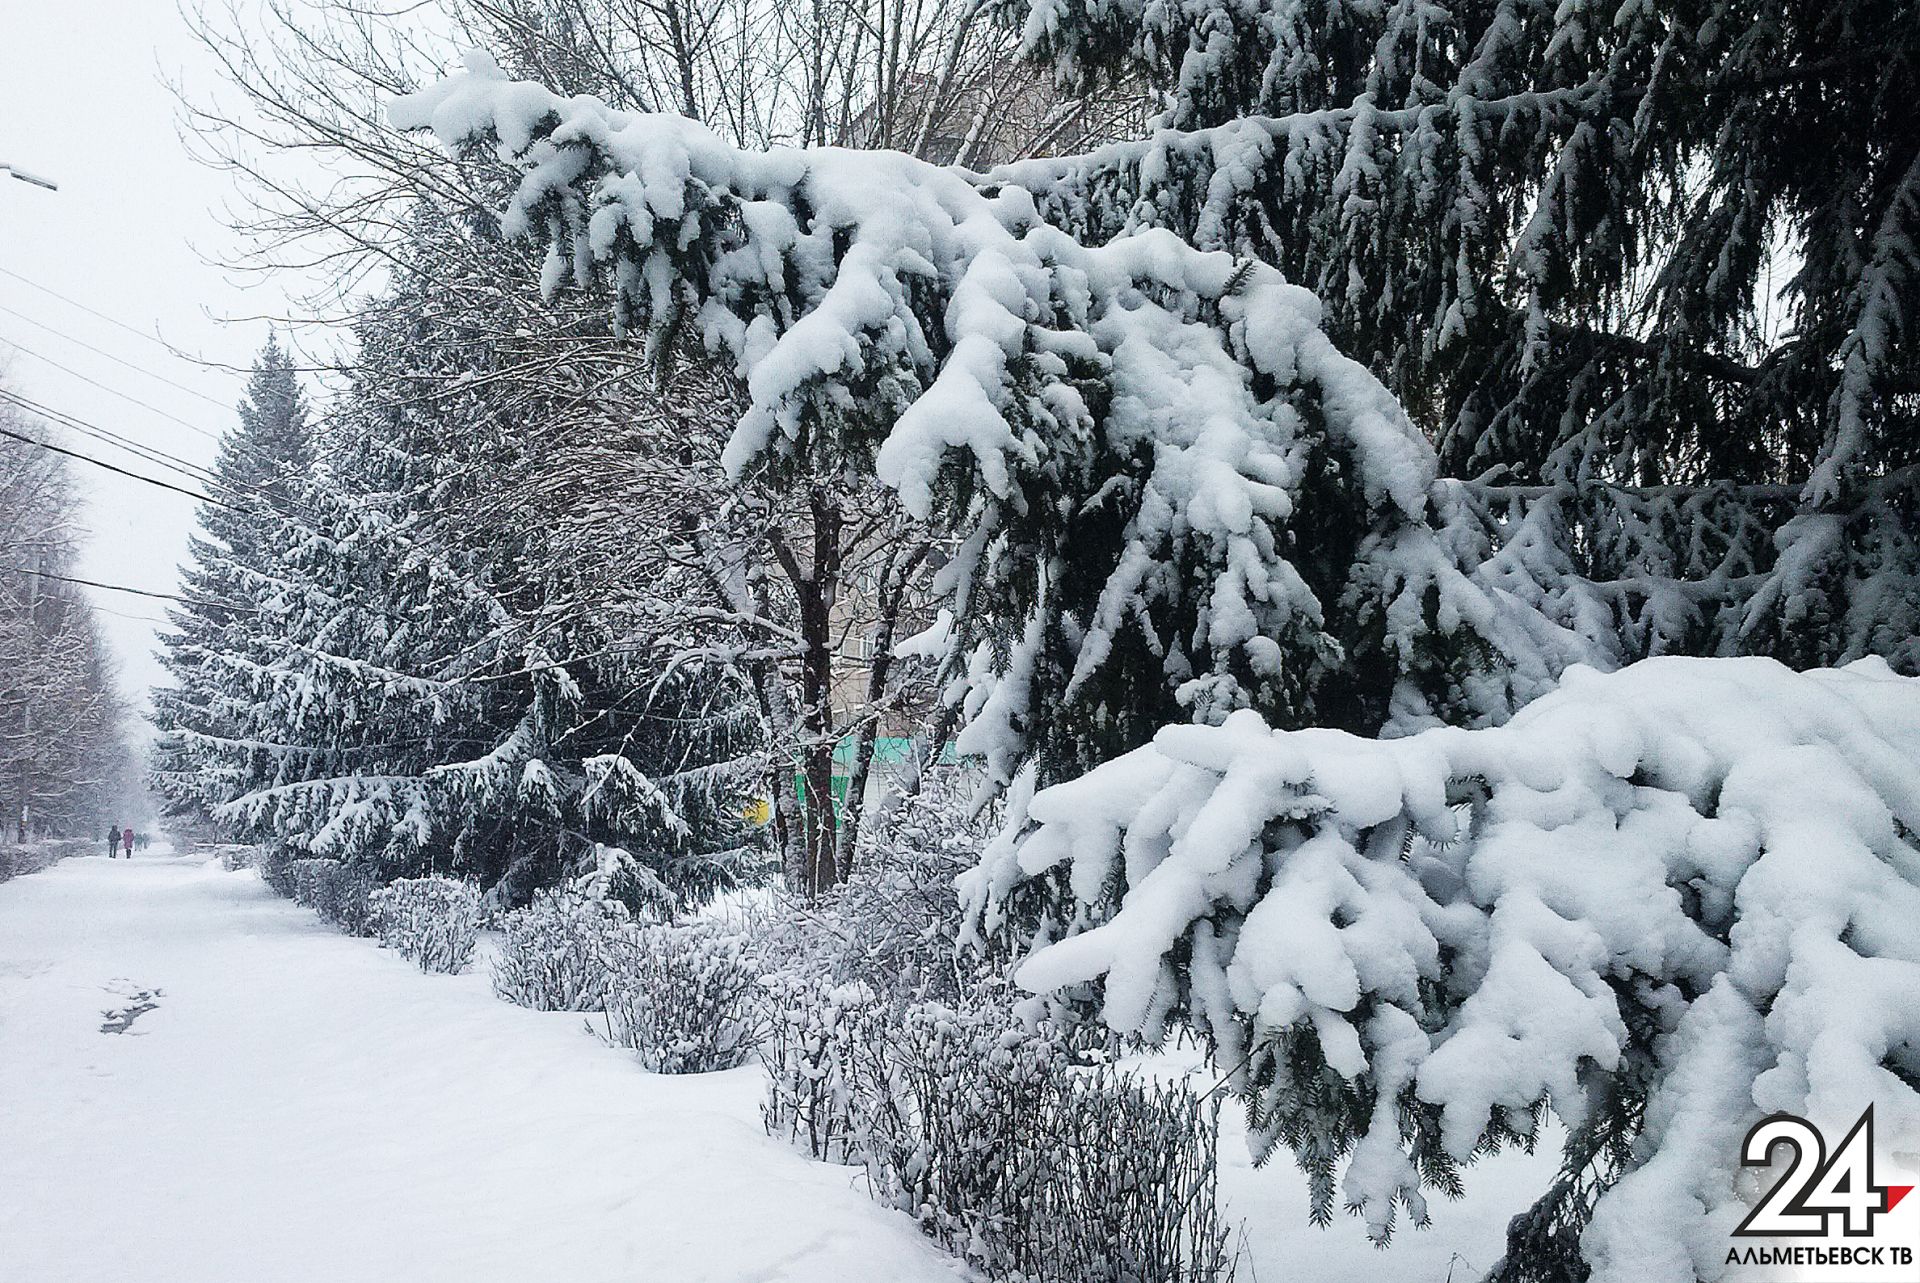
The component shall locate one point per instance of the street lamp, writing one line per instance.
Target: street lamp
(26, 177)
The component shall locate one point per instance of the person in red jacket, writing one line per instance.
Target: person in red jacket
(126, 840)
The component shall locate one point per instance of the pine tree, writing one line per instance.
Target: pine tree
(232, 577)
(1625, 253)
(401, 693)
(575, 748)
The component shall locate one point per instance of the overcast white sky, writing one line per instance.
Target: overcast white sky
(128, 233)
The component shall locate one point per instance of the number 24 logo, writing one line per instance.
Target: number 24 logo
(1816, 1188)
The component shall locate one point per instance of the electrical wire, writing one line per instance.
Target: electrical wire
(100, 463)
(110, 320)
(152, 454)
(226, 439)
(113, 391)
(138, 592)
(121, 614)
(117, 360)
(280, 509)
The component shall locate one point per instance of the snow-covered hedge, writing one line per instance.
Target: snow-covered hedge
(275, 865)
(560, 953)
(16, 860)
(1665, 902)
(685, 998)
(336, 891)
(984, 1128)
(433, 922)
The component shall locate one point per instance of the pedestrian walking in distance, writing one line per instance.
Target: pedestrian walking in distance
(113, 840)
(126, 837)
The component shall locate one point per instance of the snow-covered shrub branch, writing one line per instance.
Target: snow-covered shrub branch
(432, 922)
(984, 1127)
(893, 928)
(336, 891)
(561, 952)
(17, 860)
(686, 999)
(1662, 902)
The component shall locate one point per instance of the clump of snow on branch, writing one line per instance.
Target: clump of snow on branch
(1695, 875)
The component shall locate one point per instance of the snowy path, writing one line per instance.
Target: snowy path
(297, 1105)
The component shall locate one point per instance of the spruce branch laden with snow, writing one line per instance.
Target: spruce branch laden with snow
(1172, 496)
(1658, 242)
(1662, 902)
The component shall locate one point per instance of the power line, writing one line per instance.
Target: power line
(172, 463)
(117, 360)
(121, 614)
(152, 454)
(192, 471)
(138, 592)
(278, 506)
(98, 463)
(111, 320)
(113, 391)
(226, 439)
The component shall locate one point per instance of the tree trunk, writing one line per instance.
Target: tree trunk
(815, 587)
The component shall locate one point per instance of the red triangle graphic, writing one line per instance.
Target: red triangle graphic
(1895, 1193)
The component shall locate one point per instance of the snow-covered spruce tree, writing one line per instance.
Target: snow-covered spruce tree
(1612, 249)
(1662, 903)
(637, 770)
(1172, 496)
(1567, 231)
(231, 577)
(405, 698)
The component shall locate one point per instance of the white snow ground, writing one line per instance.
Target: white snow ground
(304, 1106)
(298, 1105)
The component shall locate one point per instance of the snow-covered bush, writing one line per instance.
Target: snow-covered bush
(826, 1059)
(562, 952)
(275, 864)
(336, 891)
(894, 925)
(685, 998)
(432, 922)
(1663, 902)
(985, 1128)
